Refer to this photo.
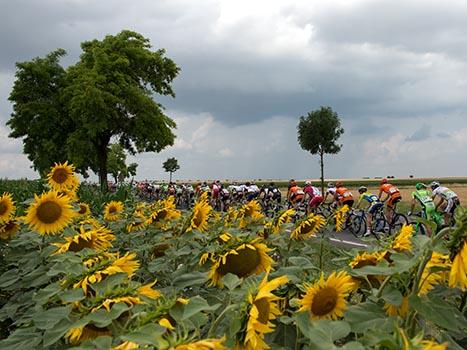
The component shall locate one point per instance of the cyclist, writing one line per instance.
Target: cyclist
(313, 196)
(422, 197)
(393, 196)
(343, 196)
(251, 191)
(330, 191)
(295, 195)
(374, 204)
(448, 200)
(270, 192)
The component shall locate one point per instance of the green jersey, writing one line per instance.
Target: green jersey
(425, 200)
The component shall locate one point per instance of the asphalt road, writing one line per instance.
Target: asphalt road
(346, 240)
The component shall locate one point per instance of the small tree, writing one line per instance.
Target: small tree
(318, 133)
(171, 166)
(116, 163)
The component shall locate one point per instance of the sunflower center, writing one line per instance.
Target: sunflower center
(162, 214)
(49, 212)
(10, 225)
(82, 209)
(263, 307)
(324, 302)
(307, 227)
(365, 262)
(3, 208)
(60, 176)
(241, 264)
(112, 209)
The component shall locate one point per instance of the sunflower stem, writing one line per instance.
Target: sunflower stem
(218, 320)
(381, 288)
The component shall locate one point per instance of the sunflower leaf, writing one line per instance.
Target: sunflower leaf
(49, 318)
(231, 281)
(146, 335)
(195, 305)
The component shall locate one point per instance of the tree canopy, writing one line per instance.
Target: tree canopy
(116, 163)
(171, 166)
(108, 94)
(318, 133)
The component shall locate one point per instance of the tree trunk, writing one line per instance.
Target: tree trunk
(170, 177)
(321, 163)
(102, 159)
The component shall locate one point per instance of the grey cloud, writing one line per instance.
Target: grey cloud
(443, 135)
(420, 134)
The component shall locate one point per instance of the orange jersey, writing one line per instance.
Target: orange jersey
(296, 191)
(343, 194)
(391, 190)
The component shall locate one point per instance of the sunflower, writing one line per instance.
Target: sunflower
(163, 211)
(325, 299)
(112, 210)
(84, 209)
(249, 213)
(98, 239)
(263, 308)
(242, 260)
(402, 242)
(341, 217)
(281, 219)
(78, 335)
(105, 265)
(205, 344)
(431, 278)
(398, 310)
(8, 229)
(406, 343)
(126, 345)
(62, 177)
(199, 216)
(7, 207)
(164, 322)
(308, 227)
(50, 213)
(366, 259)
(458, 273)
(139, 222)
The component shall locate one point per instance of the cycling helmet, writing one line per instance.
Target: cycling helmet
(339, 184)
(330, 185)
(384, 181)
(293, 183)
(307, 183)
(434, 184)
(362, 189)
(420, 186)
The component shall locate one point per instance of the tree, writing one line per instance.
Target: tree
(171, 166)
(108, 94)
(318, 133)
(116, 163)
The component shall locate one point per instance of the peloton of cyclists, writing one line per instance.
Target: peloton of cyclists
(270, 192)
(373, 205)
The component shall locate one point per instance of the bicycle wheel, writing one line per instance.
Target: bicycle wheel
(357, 225)
(380, 227)
(398, 221)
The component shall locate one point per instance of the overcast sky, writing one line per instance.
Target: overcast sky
(394, 71)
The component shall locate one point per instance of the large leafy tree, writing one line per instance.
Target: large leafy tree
(318, 133)
(108, 94)
(171, 166)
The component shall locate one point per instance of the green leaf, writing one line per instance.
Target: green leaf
(392, 295)
(439, 312)
(146, 335)
(231, 281)
(51, 336)
(195, 305)
(9, 277)
(49, 318)
(366, 316)
(189, 280)
(44, 294)
(72, 295)
(22, 338)
(322, 334)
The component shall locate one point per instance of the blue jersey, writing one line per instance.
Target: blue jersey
(369, 197)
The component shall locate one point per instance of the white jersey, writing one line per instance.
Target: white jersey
(235, 188)
(444, 192)
(331, 191)
(253, 189)
(316, 191)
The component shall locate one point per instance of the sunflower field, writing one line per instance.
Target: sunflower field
(148, 276)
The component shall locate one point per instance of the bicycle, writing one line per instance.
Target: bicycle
(358, 223)
(397, 220)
